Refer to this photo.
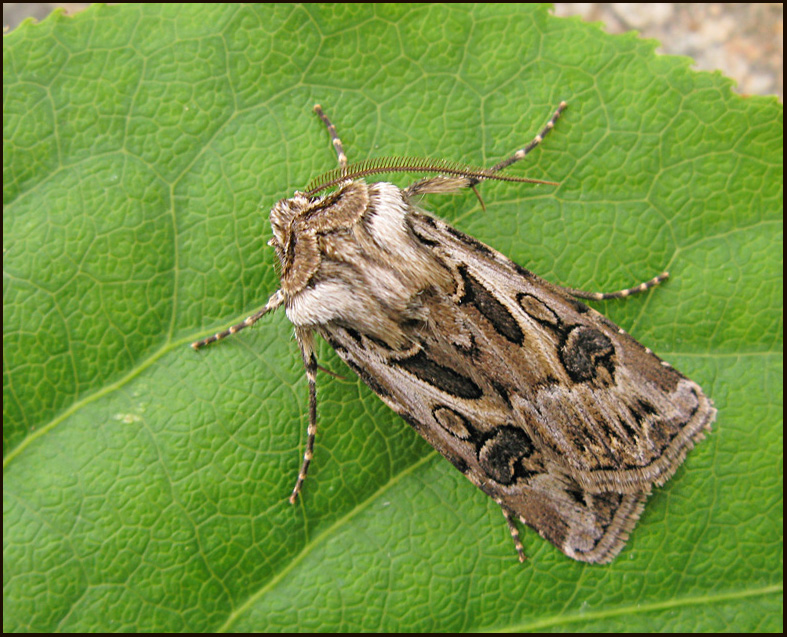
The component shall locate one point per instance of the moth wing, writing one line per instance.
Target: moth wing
(481, 439)
(598, 401)
(542, 402)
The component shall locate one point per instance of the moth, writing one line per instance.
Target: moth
(541, 402)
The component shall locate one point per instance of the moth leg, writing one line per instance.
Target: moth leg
(620, 294)
(448, 184)
(522, 152)
(331, 373)
(306, 343)
(337, 143)
(276, 299)
(509, 516)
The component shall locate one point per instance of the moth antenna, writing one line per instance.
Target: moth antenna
(411, 165)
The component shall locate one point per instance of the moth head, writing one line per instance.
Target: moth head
(282, 215)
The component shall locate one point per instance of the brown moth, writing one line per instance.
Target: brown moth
(540, 401)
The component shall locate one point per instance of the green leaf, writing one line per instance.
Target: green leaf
(145, 485)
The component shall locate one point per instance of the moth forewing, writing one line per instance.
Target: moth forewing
(543, 403)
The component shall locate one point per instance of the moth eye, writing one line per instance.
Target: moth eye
(278, 238)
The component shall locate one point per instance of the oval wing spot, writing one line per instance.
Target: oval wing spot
(453, 422)
(503, 452)
(538, 310)
(586, 352)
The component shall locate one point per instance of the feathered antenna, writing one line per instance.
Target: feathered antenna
(411, 165)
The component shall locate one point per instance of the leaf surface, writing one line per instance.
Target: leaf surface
(145, 485)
